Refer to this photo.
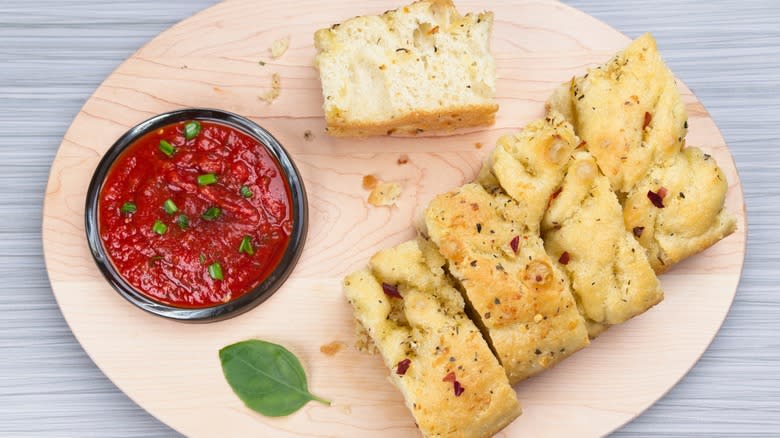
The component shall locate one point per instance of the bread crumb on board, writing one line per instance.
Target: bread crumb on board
(403, 159)
(276, 88)
(279, 47)
(331, 348)
(369, 182)
(308, 135)
(385, 194)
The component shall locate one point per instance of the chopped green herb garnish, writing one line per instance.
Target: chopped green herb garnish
(170, 207)
(262, 63)
(246, 246)
(183, 222)
(128, 208)
(215, 271)
(191, 129)
(166, 148)
(246, 192)
(202, 258)
(212, 213)
(159, 227)
(206, 179)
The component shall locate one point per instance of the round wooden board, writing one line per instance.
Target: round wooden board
(211, 60)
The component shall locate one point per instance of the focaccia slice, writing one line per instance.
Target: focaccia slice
(528, 165)
(450, 380)
(627, 111)
(583, 230)
(677, 210)
(529, 317)
(630, 116)
(422, 67)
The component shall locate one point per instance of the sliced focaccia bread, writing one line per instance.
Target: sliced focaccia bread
(583, 230)
(528, 315)
(630, 116)
(528, 165)
(677, 210)
(451, 382)
(418, 68)
(627, 111)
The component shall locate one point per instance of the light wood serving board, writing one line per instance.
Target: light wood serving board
(211, 60)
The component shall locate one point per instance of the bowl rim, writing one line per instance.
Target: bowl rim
(246, 301)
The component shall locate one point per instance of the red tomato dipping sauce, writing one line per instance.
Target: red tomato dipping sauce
(195, 214)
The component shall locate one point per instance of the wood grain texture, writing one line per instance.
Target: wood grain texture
(53, 55)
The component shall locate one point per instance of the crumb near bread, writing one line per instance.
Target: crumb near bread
(276, 88)
(331, 348)
(384, 193)
(279, 47)
(370, 181)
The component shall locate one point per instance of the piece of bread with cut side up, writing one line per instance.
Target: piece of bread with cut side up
(450, 380)
(422, 67)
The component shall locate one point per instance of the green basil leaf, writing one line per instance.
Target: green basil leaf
(267, 377)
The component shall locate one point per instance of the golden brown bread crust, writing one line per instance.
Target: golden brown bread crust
(692, 218)
(529, 165)
(428, 327)
(413, 123)
(628, 111)
(609, 272)
(530, 318)
(422, 67)
(630, 115)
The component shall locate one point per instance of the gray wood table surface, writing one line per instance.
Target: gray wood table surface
(53, 54)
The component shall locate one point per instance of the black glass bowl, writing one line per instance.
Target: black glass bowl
(246, 301)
